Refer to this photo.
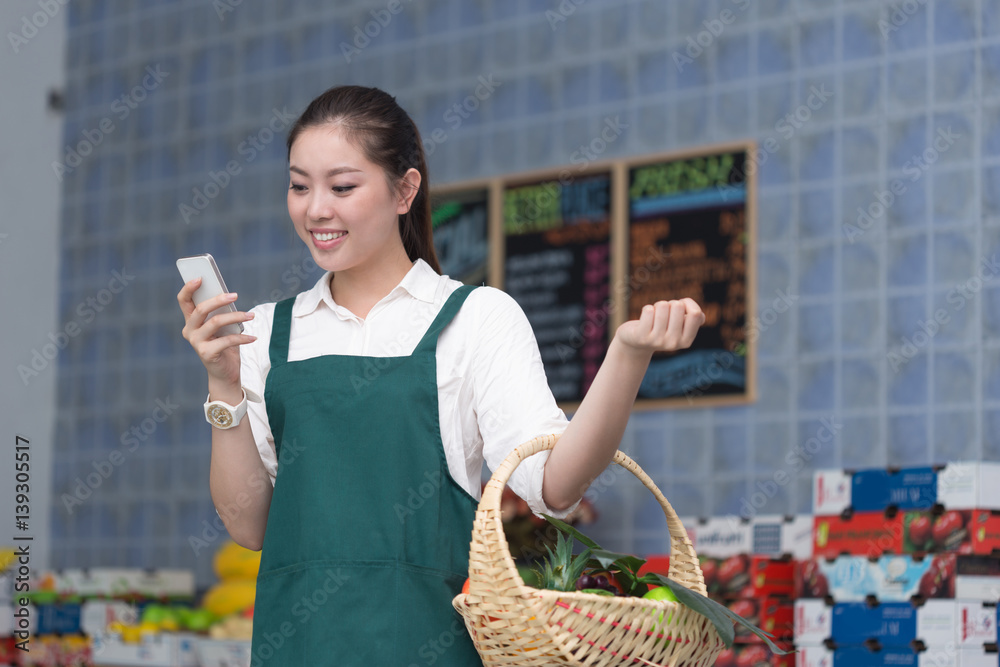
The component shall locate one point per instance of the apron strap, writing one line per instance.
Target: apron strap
(444, 317)
(281, 327)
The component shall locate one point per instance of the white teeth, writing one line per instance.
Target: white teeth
(328, 237)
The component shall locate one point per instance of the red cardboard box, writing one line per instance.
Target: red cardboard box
(755, 655)
(775, 616)
(958, 531)
(658, 563)
(868, 534)
(745, 576)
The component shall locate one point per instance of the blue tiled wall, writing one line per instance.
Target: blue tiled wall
(848, 350)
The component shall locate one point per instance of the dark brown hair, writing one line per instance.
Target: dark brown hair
(388, 137)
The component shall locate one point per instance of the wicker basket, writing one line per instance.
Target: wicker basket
(514, 624)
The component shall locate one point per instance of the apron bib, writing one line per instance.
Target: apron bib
(367, 537)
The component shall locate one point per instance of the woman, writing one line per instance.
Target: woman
(384, 388)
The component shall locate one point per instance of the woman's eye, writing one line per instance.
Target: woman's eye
(297, 188)
(342, 189)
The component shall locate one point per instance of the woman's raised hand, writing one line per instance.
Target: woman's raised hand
(221, 355)
(665, 326)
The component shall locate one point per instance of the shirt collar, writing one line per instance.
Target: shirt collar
(420, 282)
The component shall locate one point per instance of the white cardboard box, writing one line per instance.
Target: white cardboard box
(831, 492)
(719, 537)
(224, 652)
(969, 485)
(163, 650)
(777, 535)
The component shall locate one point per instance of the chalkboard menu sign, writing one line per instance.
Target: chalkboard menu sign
(688, 237)
(461, 240)
(557, 267)
(583, 249)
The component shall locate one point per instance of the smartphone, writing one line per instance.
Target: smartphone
(212, 285)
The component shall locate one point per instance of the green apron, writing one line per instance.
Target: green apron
(367, 536)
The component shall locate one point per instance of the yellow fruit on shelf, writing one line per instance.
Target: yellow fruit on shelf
(131, 634)
(229, 597)
(232, 561)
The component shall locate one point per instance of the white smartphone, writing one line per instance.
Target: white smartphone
(212, 285)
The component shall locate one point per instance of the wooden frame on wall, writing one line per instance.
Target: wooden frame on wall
(573, 231)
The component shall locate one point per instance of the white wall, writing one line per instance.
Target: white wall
(32, 63)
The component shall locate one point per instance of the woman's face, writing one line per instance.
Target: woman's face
(340, 203)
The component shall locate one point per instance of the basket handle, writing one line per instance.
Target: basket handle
(684, 567)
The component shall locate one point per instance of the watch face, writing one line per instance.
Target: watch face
(220, 416)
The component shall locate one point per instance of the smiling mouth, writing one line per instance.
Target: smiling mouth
(327, 236)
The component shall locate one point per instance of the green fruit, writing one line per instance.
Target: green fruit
(661, 593)
(200, 620)
(154, 614)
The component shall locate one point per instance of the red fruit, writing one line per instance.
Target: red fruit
(726, 659)
(920, 531)
(931, 584)
(745, 608)
(753, 656)
(946, 525)
(732, 568)
(710, 568)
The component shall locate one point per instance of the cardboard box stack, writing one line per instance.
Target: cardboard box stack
(63, 611)
(749, 566)
(905, 569)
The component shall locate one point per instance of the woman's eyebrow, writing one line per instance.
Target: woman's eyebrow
(331, 172)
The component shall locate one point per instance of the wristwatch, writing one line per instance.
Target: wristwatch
(224, 416)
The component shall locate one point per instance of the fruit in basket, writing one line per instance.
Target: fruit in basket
(561, 569)
(661, 593)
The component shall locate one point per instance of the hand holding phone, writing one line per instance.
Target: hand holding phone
(212, 285)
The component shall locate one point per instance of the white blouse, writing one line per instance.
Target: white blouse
(492, 390)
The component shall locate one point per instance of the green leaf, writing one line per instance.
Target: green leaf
(570, 530)
(710, 609)
(718, 614)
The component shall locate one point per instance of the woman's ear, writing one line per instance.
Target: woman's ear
(409, 186)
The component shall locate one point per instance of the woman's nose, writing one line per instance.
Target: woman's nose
(320, 206)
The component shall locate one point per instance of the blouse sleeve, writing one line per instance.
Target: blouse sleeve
(513, 401)
(254, 366)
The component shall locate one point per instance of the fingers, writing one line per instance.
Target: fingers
(693, 320)
(212, 349)
(185, 298)
(674, 323)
